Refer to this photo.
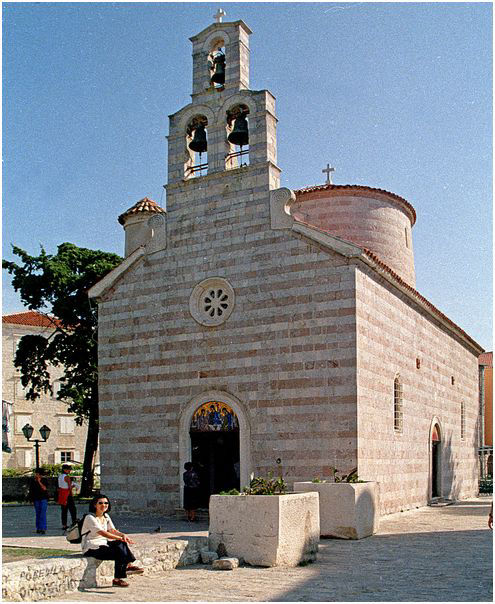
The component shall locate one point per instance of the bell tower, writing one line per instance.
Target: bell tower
(225, 139)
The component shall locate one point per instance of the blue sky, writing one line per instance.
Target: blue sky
(394, 95)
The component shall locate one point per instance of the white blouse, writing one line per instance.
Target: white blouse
(91, 526)
(62, 483)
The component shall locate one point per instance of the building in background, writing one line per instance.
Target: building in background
(486, 414)
(67, 440)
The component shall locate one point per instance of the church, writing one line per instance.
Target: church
(254, 329)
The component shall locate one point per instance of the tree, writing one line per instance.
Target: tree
(57, 286)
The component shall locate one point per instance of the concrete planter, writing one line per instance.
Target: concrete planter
(266, 530)
(347, 510)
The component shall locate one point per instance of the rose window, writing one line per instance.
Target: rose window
(216, 302)
(212, 301)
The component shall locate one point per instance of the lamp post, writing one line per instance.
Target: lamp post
(45, 433)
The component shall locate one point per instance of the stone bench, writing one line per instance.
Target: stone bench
(40, 579)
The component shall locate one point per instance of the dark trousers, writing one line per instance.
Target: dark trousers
(40, 508)
(115, 550)
(71, 506)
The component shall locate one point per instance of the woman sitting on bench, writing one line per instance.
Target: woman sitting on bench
(101, 540)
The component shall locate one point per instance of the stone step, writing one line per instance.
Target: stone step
(35, 580)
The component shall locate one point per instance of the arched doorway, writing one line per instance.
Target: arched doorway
(436, 457)
(214, 433)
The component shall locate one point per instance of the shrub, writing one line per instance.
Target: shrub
(14, 472)
(486, 485)
(351, 477)
(54, 469)
(231, 492)
(266, 486)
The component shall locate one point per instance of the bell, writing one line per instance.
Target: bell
(218, 76)
(199, 143)
(240, 134)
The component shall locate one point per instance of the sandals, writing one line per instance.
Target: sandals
(120, 583)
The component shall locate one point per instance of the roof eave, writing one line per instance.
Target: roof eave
(110, 279)
(352, 251)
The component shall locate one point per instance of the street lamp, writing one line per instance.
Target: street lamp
(45, 433)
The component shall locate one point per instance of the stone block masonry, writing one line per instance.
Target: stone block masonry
(391, 335)
(35, 580)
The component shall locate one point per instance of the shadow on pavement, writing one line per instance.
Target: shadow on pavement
(440, 566)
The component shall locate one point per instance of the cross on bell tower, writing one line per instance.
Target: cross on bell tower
(219, 15)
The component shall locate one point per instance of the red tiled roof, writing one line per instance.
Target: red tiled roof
(143, 205)
(31, 317)
(357, 188)
(486, 359)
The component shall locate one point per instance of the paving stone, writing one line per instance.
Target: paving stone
(225, 564)
(429, 554)
(207, 557)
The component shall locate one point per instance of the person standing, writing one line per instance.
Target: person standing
(38, 493)
(191, 491)
(65, 499)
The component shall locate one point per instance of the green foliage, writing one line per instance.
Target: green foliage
(351, 477)
(231, 492)
(57, 286)
(486, 485)
(14, 472)
(266, 486)
(55, 469)
(318, 480)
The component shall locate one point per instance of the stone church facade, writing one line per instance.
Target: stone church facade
(256, 329)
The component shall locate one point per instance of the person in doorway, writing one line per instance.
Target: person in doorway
(101, 540)
(38, 493)
(65, 499)
(191, 491)
(490, 518)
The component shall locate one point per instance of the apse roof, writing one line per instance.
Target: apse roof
(357, 188)
(144, 205)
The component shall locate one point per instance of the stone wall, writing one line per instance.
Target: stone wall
(35, 580)
(393, 335)
(286, 354)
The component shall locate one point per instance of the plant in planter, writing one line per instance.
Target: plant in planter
(265, 525)
(349, 507)
(266, 486)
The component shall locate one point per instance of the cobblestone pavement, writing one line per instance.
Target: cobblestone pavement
(429, 554)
